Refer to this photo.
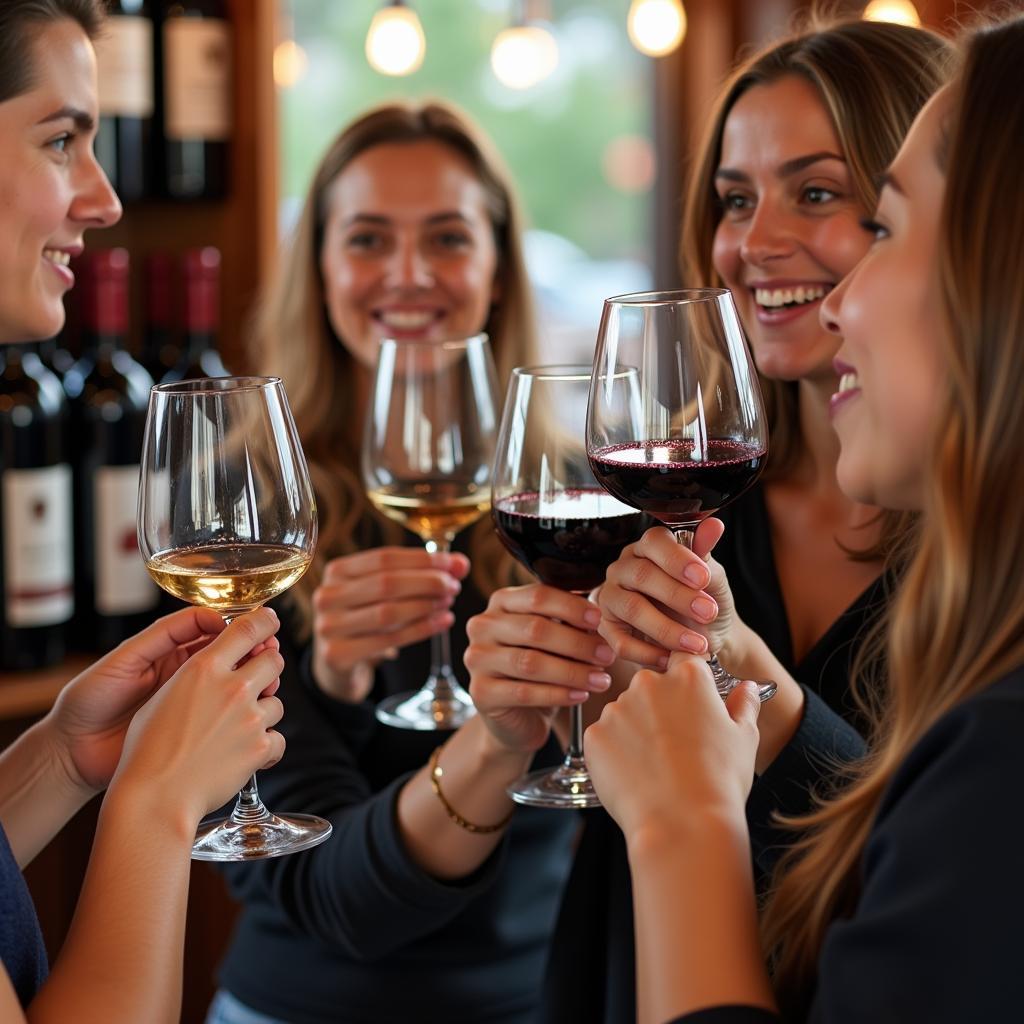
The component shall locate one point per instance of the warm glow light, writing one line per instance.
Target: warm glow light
(902, 12)
(656, 27)
(524, 55)
(395, 43)
(290, 63)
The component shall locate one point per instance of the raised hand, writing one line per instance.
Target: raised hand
(533, 651)
(659, 597)
(372, 604)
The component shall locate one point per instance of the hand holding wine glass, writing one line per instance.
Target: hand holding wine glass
(427, 452)
(227, 520)
(696, 438)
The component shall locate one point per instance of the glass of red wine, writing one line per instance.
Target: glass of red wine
(554, 518)
(697, 438)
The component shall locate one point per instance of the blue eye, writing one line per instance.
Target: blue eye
(61, 142)
(873, 228)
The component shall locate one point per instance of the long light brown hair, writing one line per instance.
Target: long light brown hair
(872, 78)
(957, 625)
(295, 339)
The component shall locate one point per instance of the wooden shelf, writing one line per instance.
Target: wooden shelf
(26, 694)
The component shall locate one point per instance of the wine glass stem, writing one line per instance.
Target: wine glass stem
(440, 679)
(574, 751)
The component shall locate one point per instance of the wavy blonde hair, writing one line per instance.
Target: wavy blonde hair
(872, 78)
(958, 623)
(295, 340)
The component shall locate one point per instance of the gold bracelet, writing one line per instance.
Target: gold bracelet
(436, 771)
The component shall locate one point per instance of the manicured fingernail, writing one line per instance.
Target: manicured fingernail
(452, 584)
(442, 619)
(604, 654)
(663, 662)
(693, 642)
(599, 680)
(696, 575)
(272, 612)
(578, 696)
(443, 602)
(704, 608)
(592, 617)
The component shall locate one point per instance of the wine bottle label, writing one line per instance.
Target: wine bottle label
(124, 67)
(123, 586)
(197, 79)
(37, 546)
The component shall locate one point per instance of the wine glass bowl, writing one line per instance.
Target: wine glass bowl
(695, 437)
(227, 521)
(427, 450)
(557, 521)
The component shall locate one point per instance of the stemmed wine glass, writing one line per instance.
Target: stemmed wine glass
(554, 517)
(227, 521)
(427, 451)
(702, 438)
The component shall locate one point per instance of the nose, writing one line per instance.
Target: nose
(768, 235)
(829, 313)
(409, 266)
(95, 203)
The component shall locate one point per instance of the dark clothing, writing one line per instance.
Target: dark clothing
(353, 930)
(936, 933)
(21, 942)
(594, 935)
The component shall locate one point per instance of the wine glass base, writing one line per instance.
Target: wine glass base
(225, 839)
(726, 682)
(425, 710)
(565, 787)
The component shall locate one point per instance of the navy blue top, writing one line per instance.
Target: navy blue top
(936, 932)
(354, 931)
(21, 941)
(594, 935)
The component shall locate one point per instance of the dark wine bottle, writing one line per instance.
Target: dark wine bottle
(109, 393)
(195, 102)
(199, 357)
(124, 67)
(160, 348)
(35, 514)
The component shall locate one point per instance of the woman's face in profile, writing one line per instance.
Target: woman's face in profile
(790, 224)
(887, 312)
(51, 188)
(409, 251)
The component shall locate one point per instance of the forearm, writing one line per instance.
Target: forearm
(476, 771)
(122, 961)
(37, 794)
(695, 920)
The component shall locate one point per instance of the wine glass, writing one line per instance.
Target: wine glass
(554, 517)
(227, 521)
(701, 439)
(427, 451)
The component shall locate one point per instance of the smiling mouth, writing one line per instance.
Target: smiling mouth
(789, 298)
(407, 320)
(849, 381)
(57, 256)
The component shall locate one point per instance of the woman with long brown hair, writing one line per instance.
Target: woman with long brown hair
(898, 901)
(430, 900)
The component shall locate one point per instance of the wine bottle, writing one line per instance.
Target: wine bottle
(109, 394)
(195, 103)
(124, 68)
(160, 348)
(199, 357)
(35, 515)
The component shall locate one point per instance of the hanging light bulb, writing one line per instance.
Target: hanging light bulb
(395, 43)
(656, 27)
(523, 55)
(901, 12)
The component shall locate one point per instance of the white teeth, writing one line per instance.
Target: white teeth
(772, 298)
(848, 382)
(407, 321)
(57, 256)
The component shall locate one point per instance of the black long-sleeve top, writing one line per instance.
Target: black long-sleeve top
(354, 931)
(936, 934)
(594, 934)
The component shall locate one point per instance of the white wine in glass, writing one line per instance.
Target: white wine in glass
(427, 452)
(227, 521)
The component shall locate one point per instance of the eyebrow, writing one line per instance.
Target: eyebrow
(793, 166)
(83, 121)
(378, 218)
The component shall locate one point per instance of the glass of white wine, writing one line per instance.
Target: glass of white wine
(227, 520)
(428, 446)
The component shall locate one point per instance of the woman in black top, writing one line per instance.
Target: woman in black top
(900, 900)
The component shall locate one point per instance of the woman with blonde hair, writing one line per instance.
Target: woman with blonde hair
(897, 901)
(430, 901)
